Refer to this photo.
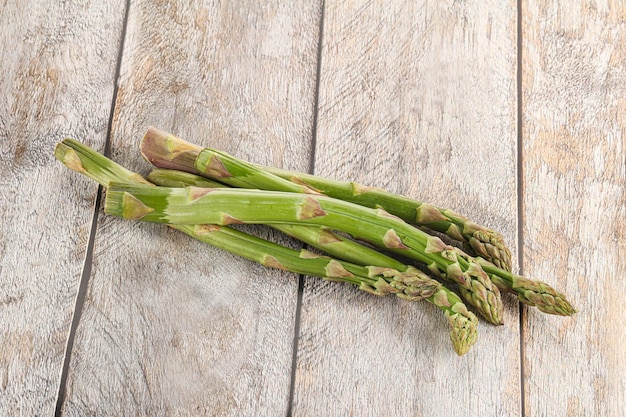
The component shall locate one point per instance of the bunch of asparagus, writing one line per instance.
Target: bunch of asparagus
(202, 192)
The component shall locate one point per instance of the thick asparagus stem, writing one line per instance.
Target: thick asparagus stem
(168, 151)
(484, 242)
(174, 178)
(463, 323)
(531, 292)
(227, 206)
(410, 284)
(318, 237)
(81, 158)
(477, 239)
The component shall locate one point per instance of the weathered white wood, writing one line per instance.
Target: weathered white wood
(56, 80)
(172, 326)
(417, 97)
(574, 95)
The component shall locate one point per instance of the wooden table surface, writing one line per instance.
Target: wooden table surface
(511, 113)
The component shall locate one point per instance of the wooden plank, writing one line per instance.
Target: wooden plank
(172, 326)
(419, 98)
(574, 89)
(56, 80)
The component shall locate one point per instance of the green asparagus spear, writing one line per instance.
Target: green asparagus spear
(410, 284)
(168, 151)
(321, 238)
(195, 205)
(478, 240)
(175, 178)
(486, 243)
(81, 158)
(345, 249)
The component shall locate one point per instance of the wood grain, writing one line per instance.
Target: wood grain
(56, 80)
(172, 326)
(574, 89)
(417, 97)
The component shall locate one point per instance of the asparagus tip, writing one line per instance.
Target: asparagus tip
(542, 296)
(463, 331)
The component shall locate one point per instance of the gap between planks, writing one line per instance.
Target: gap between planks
(298, 315)
(86, 272)
(520, 195)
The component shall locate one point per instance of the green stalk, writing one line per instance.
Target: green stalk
(229, 206)
(411, 284)
(530, 292)
(462, 321)
(168, 151)
(174, 178)
(319, 237)
(479, 240)
(82, 159)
